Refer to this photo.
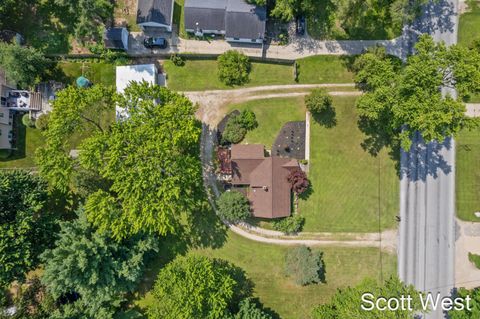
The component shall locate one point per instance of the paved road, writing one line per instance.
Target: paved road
(426, 253)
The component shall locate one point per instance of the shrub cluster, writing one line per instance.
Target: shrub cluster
(318, 101)
(27, 121)
(177, 60)
(305, 266)
(238, 126)
(289, 225)
(233, 68)
(42, 122)
(233, 206)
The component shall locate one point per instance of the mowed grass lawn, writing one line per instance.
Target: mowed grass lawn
(468, 174)
(349, 187)
(469, 26)
(264, 265)
(199, 75)
(97, 73)
(271, 115)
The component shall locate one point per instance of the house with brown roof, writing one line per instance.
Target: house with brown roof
(265, 179)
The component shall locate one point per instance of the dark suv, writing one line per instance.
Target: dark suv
(153, 43)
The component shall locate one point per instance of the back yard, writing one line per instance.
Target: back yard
(264, 265)
(468, 174)
(468, 32)
(198, 75)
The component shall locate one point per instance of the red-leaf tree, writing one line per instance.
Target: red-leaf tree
(298, 179)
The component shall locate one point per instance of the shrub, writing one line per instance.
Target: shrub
(289, 225)
(247, 119)
(305, 266)
(249, 309)
(42, 122)
(27, 121)
(298, 180)
(177, 60)
(233, 68)
(475, 259)
(234, 132)
(233, 206)
(318, 101)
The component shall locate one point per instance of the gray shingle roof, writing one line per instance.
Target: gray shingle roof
(159, 11)
(244, 20)
(112, 38)
(207, 19)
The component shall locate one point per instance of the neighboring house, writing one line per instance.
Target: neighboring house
(236, 19)
(133, 73)
(265, 179)
(155, 14)
(14, 101)
(116, 39)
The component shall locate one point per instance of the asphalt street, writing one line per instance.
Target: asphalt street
(426, 251)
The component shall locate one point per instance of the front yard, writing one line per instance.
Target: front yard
(468, 175)
(264, 265)
(468, 32)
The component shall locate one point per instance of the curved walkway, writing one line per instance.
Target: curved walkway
(386, 240)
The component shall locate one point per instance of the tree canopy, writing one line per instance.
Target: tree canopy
(197, 287)
(145, 170)
(233, 68)
(233, 206)
(304, 265)
(26, 226)
(400, 101)
(22, 65)
(474, 304)
(94, 268)
(346, 303)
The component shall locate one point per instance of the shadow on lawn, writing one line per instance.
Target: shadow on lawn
(326, 118)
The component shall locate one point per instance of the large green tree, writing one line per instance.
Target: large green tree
(400, 101)
(26, 226)
(22, 65)
(474, 304)
(94, 268)
(197, 287)
(346, 303)
(142, 173)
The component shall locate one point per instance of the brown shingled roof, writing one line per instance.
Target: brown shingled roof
(269, 192)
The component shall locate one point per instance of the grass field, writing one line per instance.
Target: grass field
(28, 140)
(348, 186)
(469, 26)
(271, 115)
(264, 264)
(198, 75)
(468, 174)
(178, 17)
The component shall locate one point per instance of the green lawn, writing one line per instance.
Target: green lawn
(178, 17)
(198, 75)
(469, 26)
(28, 140)
(468, 174)
(349, 186)
(100, 73)
(324, 69)
(271, 115)
(264, 264)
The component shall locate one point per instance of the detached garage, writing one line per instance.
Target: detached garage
(155, 14)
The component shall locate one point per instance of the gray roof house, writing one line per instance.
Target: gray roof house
(155, 14)
(236, 19)
(116, 39)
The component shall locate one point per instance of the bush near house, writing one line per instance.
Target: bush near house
(305, 266)
(233, 206)
(238, 125)
(27, 121)
(233, 68)
(289, 225)
(42, 122)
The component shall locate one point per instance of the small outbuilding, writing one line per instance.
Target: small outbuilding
(155, 14)
(116, 39)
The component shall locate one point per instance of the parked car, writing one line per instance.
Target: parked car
(300, 26)
(152, 43)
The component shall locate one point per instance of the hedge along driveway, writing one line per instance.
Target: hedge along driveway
(201, 75)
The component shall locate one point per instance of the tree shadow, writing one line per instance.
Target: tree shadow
(326, 118)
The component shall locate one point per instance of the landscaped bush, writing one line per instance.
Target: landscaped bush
(289, 225)
(298, 180)
(233, 68)
(27, 121)
(305, 266)
(233, 206)
(177, 60)
(234, 132)
(474, 259)
(248, 120)
(318, 101)
(42, 122)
